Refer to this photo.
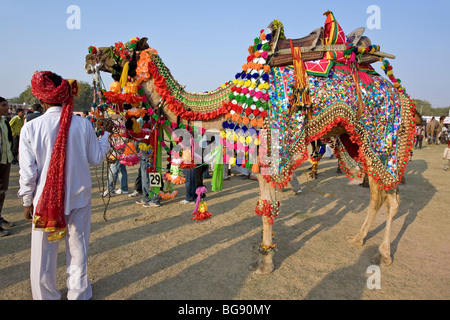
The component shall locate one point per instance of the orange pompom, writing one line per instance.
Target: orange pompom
(130, 149)
(260, 123)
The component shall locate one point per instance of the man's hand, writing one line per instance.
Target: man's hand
(108, 125)
(28, 213)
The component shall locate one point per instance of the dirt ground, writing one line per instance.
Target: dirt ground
(162, 254)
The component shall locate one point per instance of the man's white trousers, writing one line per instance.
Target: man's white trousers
(44, 254)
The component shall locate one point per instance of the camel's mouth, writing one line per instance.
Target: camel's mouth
(89, 69)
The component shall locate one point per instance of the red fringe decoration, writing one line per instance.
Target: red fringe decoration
(187, 165)
(268, 208)
(201, 216)
(176, 106)
(121, 98)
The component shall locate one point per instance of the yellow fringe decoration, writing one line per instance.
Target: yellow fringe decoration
(124, 76)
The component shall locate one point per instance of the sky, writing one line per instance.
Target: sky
(205, 43)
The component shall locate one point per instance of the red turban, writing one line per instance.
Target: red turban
(49, 212)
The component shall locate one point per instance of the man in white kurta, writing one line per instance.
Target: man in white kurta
(83, 149)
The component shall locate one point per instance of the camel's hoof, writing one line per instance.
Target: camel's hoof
(355, 240)
(381, 260)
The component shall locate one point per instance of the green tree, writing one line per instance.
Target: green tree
(25, 97)
(81, 103)
(85, 96)
(426, 109)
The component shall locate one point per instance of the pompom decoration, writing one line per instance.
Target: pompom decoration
(130, 160)
(175, 175)
(168, 195)
(92, 50)
(201, 209)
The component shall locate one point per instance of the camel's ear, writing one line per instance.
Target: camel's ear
(142, 44)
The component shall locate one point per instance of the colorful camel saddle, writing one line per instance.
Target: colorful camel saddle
(337, 95)
(381, 138)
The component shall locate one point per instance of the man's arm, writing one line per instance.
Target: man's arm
(28, 173)
(97, 149)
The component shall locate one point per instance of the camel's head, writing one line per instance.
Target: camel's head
(99, 58)
(104, 59)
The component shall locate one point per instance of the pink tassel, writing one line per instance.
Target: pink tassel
(199, 191)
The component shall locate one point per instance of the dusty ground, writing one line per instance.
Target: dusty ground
(161, 253)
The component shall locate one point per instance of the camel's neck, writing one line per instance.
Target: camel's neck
(203, 103)
(197, 102)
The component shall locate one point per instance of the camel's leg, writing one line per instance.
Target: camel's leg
(264, 264)
(365, 183)
(376, 200)
(313, 173)
(383, 257)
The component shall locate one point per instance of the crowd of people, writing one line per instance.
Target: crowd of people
(438, 137)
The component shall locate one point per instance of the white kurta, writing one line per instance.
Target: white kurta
(37, 139)
(83, 149)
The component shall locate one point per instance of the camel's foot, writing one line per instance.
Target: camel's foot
(381, 260)
(355, 240)
(264, 265)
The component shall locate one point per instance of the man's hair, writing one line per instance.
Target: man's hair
(36, 107)
(2, 99)
(19, 110)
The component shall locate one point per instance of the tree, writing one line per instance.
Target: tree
(25, 97)
(81, 103)
(425, 109)
(85, 97)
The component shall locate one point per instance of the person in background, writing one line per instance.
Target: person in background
(37, 111)
(16, 124)
(55, 186)
(6, 157)
(420, 133)
(190, 186)
(446, 156)
(116, 170)
(148, 197)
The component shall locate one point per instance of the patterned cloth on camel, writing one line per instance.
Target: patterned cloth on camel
(381, 117)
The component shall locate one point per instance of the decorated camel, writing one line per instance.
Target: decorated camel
(433, 128)
(288, 93)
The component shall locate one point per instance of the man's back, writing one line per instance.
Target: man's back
(38, 138)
